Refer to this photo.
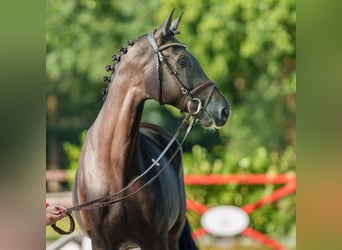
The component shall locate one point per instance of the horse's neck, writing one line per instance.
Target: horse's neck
(116, 130)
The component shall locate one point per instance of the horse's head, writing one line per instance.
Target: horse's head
(171, 75)
(180, 79)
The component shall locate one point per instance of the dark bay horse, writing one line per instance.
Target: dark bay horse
(118, 149)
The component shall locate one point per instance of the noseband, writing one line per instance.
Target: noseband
(160, 59)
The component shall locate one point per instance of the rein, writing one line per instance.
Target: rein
(71, 228)
(111, 199)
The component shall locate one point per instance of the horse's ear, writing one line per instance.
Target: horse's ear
(164, 28)
(175, 24)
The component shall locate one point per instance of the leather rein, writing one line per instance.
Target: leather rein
(119, 196)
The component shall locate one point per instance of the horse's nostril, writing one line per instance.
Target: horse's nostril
(225, 112)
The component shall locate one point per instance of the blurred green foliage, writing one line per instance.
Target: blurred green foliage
(247, 47)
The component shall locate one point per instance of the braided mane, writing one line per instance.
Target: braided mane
(111, 67)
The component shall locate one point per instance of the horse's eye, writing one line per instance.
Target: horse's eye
(182, 61)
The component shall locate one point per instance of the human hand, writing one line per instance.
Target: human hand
(54, 213)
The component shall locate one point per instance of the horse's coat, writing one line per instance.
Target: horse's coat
(118, 148)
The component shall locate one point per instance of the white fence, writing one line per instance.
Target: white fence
(74, 241)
